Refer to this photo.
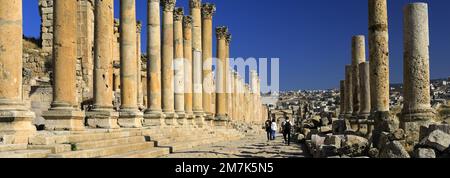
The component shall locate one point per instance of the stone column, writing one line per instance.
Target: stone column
(364, 110)
(417, 109)
(179, 66)
(358, 57)
(379, 66)
(348, 91)
(342, 102)
(103, 114)
(364, 74)
(167, 62)
(197, 67)
(187, 44)
(64, 113)
(253, 93)
(15, 119)
(228, 74)
(129, 114)
(208, 11)
(140, 92)
(235, 96)
(154, 115)
(221, 115)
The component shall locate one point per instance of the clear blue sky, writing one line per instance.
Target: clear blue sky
(311, 38)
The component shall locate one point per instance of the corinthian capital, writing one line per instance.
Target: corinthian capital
(208, 10)
(187, 21)
(221, 32)
(178, 14)
(168, 5)
(228, 38)
(195, 4)
(138, 27)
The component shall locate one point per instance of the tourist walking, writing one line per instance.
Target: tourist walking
(287, 127)
(274, 129)
(267, 126)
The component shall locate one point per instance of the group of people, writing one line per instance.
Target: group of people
(272, 128)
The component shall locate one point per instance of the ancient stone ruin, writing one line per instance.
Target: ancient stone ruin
(87, 91)
(366, 127)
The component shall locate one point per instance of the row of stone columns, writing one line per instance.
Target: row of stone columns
(177, 70)
(366, 87)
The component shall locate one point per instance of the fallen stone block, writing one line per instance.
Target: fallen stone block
(325, 129)
(354, 146)
(437, 139)
(424, 153)
(333, 140)
(393, 149)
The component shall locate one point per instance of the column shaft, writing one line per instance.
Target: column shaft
(64, 113)
(197, 67)
(208, 11)
(342, 97)
(358, 57)
(379, 66)
(348, 91)
(153, 114)
(379, 55)
(417, 109)
(187, 45)
(130, 116)
(103, 115)
(221, 115)
(179, 65)
(364, 75)
(14, 118)
(167, 62)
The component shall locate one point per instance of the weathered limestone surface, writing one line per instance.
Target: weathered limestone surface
(417, 109)
(379, 66)
(103, 115)
(208, 11)
(140, 92)
(342, 97)
(221, 115)
(364, 74)
(379, 55)
(188, 89)
(197, 67)
(129, 114)
(64, 113)
(167, 62)
(15, 120)
(358, 57)
(154, 115)
(228, 84)
(348, 91)
(179, 66)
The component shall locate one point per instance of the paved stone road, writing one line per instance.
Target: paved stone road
(252, 146)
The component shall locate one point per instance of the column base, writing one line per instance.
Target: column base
(16, 126)
(154, 119)
(171, 119)
(107, 119)
(199, 119)
(363, 123)
(64, 120)
(181, 118)
(382, 122)
(190, 119)
(130, 118)
(411, 123)
(221, 121)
